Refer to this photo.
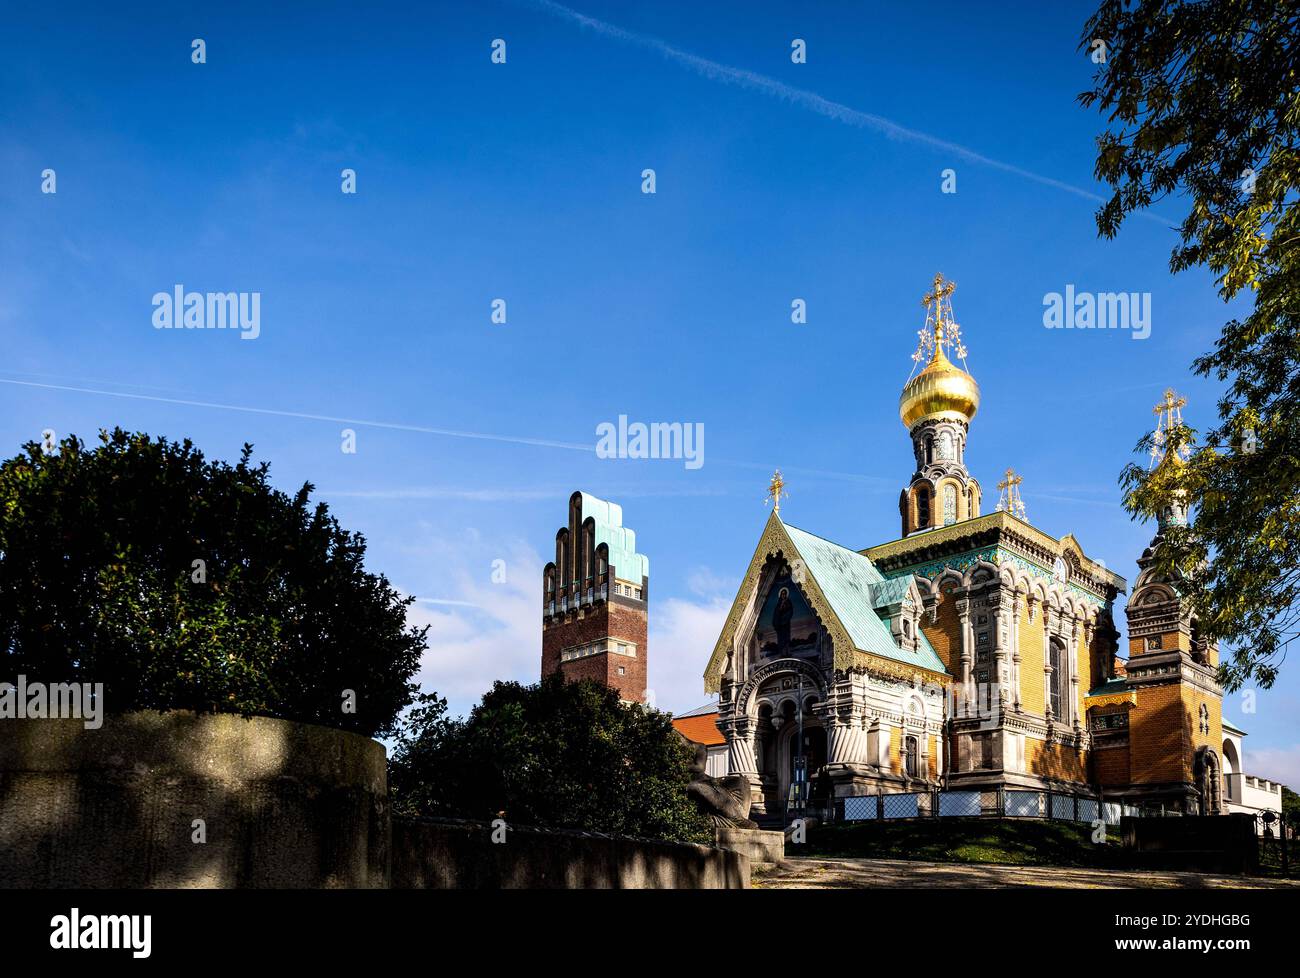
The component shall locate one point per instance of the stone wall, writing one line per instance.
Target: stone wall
(759, 845)
(283, 804)
(444, 854)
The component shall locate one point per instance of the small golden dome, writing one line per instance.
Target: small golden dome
(940, 390)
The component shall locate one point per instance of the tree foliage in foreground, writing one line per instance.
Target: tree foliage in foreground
(553, 754)
(1202, 101)
(99, 583)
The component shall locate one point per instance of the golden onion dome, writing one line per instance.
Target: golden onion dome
(941, 390)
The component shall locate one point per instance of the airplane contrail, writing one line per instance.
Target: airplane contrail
(397, 426)
(393, 426)
(752, 80)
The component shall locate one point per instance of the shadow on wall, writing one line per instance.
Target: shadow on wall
(451, 854)
(281, 804)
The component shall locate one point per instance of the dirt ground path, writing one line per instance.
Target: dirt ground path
(854, 874)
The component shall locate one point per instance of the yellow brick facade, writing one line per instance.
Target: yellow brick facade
(945, 634)
(1031, 664)
(1110, 765)
(1083, 668)
(1055, 761)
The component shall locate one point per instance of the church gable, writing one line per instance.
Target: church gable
(781, 605)
(787, 624)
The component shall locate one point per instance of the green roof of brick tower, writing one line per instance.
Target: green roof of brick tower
(627, 563)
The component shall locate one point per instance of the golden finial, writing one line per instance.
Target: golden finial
(1009, 501)
(775, 490)
(941, 332)
(1169, 415)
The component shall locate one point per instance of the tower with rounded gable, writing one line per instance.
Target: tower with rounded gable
(595, 596)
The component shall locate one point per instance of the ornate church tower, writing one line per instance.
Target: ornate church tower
(937, 406)
(1175, 726)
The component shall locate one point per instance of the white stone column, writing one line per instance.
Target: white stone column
(1015, 650)
(965, 676)
(740, 733)
(998, 620)
(1047, 661)
(847, 740)
(1073, 649)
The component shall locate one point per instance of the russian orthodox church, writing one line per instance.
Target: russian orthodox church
(975, 652)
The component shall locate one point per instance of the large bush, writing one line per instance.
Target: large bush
(554, 754)
(181, 583)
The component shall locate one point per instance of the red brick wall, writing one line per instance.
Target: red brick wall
(612, 619)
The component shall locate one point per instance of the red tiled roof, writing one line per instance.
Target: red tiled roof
(701, 729)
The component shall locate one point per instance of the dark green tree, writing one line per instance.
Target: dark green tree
(182, 583)
(1291, 808)
(1202, 103)
(554, 754)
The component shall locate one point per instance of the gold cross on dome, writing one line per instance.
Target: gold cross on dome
(1171, 405)
(1009, 500)
(775, 490)
(940, 334)
(1169, 415)
(935, 298)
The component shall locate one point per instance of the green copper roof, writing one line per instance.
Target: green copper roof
(1110, 686)
(848, 580)
(627, 563)
(890, 591)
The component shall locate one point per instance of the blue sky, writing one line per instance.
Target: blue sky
(522, 181)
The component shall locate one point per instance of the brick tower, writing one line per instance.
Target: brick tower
(594, 600)
(1175, 727)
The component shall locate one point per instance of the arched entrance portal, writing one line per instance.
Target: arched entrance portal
(773, 697)
(784, 763)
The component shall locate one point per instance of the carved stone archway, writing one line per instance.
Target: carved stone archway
(748, 733)
(747, 697)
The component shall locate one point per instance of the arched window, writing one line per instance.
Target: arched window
(922, 508)
(911, 756)
(1060, 676)
(945, 447)
(949, 504)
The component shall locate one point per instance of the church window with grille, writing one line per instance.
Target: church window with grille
(923, 507)
(911, 756)
(1060, 675)
(945, 447)
(949, 505)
